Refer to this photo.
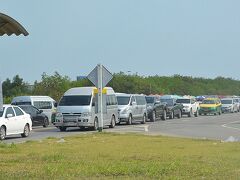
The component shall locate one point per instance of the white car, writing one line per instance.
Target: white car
(190, 106)
(13, 120)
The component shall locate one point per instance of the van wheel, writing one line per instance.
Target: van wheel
(2, 133)
(144, 119)
(153, 118)
(45, 122)
(113, 122)
(95, 126)
(164, 116)
(129, 122)
(26, 131)
(62, 128)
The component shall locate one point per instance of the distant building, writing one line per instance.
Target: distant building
(81, 77)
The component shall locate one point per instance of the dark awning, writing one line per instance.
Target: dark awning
(10, 26)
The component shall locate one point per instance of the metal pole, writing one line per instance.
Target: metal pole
(100, 99)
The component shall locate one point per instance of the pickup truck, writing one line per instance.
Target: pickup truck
(190, 106)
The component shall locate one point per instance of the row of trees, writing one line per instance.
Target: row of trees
(55, 85)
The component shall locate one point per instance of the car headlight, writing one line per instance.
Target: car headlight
(85, 114)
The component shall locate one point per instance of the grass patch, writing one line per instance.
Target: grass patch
(109, 156)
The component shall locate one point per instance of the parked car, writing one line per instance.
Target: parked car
(13, 120)
(237, 99)
(229, 105)
(211, 106)
(132, 108)
(44, 103)
(174, 109)
(190, 106)
(156, 109)
(37, 116)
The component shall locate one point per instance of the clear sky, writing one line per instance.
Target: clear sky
(165, 37)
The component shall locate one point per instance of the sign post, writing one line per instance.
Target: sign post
(1, 96)
(100, 77)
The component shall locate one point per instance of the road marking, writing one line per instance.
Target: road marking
(226, 125)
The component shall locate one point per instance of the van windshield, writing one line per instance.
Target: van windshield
(123, 100)
(168, 101)
(83, 100)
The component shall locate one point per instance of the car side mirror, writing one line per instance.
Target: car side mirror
(55, 104)
(9, 115)
(133, 103)
(40, 111)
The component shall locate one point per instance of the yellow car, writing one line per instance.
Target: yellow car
(211, 106)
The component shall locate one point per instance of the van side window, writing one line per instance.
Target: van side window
(140, 100)
(43, 104)
(108, 100)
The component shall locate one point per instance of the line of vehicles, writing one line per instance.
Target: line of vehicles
(78, 108)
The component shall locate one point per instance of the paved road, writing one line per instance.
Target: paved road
(203, 127)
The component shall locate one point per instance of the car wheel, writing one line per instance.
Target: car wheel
(95, 126)
(197, 113)
(179, 114)
(113, 122)
(62, 128)
(153, 119)
(190, 113)
(45, 122)
(171, 115)
(129, 122)
(164, 116)
(26, 131)
(2, 133)
(144, 119)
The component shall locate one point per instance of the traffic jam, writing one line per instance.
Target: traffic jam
(78, 107)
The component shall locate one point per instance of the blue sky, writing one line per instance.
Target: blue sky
(165, 37)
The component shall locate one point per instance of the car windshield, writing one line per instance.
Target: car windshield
(83, 100)
(1, 112)
(208, 102)
(168, 101)
(123, 100)
(226, 101)
(183, 101)
(150, 100)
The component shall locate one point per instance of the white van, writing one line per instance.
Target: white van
(77, 109)
(132, 108)
(44, 103)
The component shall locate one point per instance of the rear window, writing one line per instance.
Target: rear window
(18, 111)
(22, 103)
(183, 101)
(43, 104)
(83, 100)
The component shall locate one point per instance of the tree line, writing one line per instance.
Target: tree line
(55, 85)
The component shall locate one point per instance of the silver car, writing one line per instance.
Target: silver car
(229, 105)
(131, 108)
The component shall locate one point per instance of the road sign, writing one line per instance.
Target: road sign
(100, 77)
(95, 73)
(1, 96)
